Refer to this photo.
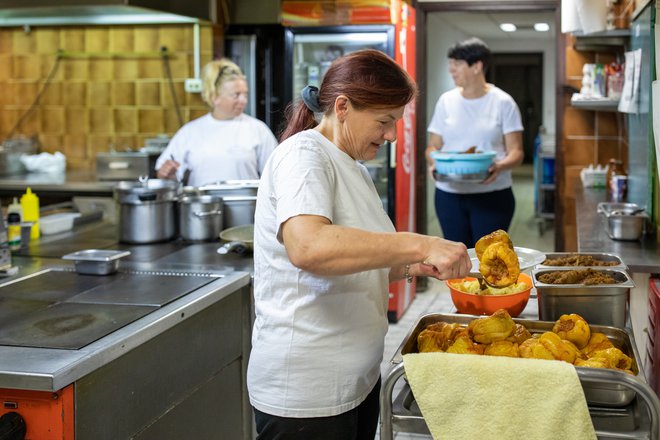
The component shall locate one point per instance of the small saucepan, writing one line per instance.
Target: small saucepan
(238, 239)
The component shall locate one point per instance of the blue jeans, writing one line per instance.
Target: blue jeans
(468, 217)
(360, 423)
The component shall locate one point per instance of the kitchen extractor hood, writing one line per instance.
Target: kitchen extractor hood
(104, 12)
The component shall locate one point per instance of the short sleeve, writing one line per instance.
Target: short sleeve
(437, 124)
(303, 182)
(267, 143)
(511, 118)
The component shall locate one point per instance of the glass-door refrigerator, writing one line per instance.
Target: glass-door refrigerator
(309, 51)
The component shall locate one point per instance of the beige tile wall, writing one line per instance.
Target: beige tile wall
(110, 86)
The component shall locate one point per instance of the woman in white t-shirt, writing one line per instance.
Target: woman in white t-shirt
(324, 254)
(475, 113)
(225, 144)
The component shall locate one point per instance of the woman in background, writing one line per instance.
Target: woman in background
(224, 144)
(475, 113)
(325, 252)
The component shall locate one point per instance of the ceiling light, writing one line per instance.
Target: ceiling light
(508, 27)
(541, 27)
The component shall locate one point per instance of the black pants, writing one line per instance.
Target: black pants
(468, 217)
(357, 424)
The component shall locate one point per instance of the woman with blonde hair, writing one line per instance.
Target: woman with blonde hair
(224, 144)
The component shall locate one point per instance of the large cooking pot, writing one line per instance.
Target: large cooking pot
(146, 210)
(239, 198)
(239, 210)
(200, 217)
(238, 239)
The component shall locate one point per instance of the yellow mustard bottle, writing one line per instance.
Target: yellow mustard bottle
(30, 205)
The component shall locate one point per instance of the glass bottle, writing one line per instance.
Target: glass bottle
(614, 168)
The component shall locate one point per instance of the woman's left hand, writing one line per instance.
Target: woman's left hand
(493, 172)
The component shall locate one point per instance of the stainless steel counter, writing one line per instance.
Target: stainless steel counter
(52, 369)
(68, 184)
(641, 256)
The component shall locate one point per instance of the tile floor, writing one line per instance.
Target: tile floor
(524, 231)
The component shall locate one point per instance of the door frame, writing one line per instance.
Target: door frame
(422, 9)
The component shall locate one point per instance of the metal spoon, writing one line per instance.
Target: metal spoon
(483, 284)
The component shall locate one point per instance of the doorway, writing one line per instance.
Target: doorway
(521, 76)
(440, 25)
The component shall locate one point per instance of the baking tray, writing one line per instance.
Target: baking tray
(596, 393)
(602, 256)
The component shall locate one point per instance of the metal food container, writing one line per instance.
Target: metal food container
(599, 256)
(626, 227)
(125, 165)
(96, 261)
(624, 221)
(597, 394)
(602, 304)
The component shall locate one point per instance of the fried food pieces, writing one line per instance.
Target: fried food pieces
(573, 328)
(499, 236)
(437, 337)
(499, 335)
(499, 265)
(498, 262)
(496, 327)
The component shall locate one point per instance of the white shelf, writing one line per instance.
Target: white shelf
(602, 104)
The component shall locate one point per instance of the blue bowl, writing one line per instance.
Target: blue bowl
(452, 164)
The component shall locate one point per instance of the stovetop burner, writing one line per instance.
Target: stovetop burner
(62, 309)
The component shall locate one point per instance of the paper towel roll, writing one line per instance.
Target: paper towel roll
(593, 15)
(570, 19)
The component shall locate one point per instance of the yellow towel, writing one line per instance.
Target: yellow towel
(467, 397)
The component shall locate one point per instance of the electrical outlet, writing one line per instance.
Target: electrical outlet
(193, 85)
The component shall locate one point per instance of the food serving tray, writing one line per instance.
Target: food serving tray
(461, 178)
(596, 393)
(600, 256)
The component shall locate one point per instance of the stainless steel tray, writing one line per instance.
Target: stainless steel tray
(597, 393)
(600, 304)
(602, 256)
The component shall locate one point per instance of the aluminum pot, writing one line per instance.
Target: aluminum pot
(239, 210)
(146, 210)
(200, 217)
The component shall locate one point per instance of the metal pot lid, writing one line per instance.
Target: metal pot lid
(151, 190)
(203, 199)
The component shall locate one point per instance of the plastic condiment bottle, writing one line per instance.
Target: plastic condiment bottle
(14, 231)
(30, 205)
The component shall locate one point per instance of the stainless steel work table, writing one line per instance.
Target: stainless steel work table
(32, 368)
(67, 184)
(161, 373)
(641, 256)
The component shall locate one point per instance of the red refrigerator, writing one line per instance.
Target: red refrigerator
(309, 51)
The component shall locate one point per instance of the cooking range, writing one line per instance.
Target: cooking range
(65, 310)
(127, 355)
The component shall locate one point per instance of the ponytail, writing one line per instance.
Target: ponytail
(299, 117)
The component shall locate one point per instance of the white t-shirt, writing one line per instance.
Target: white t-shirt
(216, 150)
(483, 122)
(318, 340)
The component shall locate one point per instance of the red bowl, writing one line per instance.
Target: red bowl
(472, 304)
